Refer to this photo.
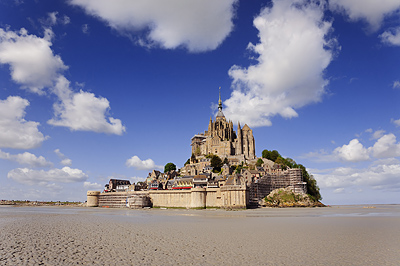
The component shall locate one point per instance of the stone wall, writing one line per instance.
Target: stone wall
(195, 198)
(171, 198)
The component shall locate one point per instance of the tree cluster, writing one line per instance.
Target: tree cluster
(169, 167)
(312, 187)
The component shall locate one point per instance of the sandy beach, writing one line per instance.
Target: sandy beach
(339, 235)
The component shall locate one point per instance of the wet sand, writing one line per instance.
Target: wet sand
(340, 235)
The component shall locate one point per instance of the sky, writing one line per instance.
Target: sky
(92, 90)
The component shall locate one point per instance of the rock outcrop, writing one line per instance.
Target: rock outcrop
(284, 197)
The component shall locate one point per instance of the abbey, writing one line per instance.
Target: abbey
(220, 139)
(243, 181)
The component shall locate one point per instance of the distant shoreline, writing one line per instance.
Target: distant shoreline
(28, 203)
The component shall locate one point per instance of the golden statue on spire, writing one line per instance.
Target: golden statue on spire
(219, 102)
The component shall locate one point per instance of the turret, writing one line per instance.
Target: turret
(210, 127)
(239, 148)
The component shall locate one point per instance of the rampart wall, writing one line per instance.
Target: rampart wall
(195, 198)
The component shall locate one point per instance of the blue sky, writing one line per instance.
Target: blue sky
(92, 90)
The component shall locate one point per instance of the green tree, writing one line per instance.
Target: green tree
(259, 162)
(239, 168)
(216, 163)
(312, 187)
(187, 162)
(169, 167)
(270, 155)
(226, 161)
(281, 161)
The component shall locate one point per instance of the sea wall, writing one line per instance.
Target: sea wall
(235, 197)
(195, 198)
(171, 198)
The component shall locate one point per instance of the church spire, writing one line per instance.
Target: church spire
(220, 102)
(220, 114)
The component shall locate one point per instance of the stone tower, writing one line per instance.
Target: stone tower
(222, 140)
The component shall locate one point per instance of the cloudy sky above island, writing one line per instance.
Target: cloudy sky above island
(92, 90)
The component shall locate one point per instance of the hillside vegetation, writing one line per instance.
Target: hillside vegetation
(312, 187)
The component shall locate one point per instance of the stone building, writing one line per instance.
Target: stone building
(220, 139)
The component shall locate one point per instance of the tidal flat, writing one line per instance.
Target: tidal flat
(337, 235)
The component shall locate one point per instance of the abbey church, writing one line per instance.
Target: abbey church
(220, 139)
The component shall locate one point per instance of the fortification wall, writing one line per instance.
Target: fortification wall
(213, 198)
(114, 199)
(232, 197)
(235, 196)
(228, 197)
(171, 198)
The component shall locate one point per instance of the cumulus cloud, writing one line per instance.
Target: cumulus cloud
(26, 158)
(142, 165)
(391, 37)
(64, 160)
(353, 152)
(386, 146)
(92, 186)
(382, 174)
(83, 111)
(198, 25)
(396, 84)
(42, 177)
(371, 11)
(293, 51)
(15, 131)
(32, 62)
(34, 66)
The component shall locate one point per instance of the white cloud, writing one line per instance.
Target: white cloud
(53, 17)
(31, 60)
(378, 134)
(92, 186)
(382, 174)
(372, 11)
(26, 158)
(15, 131)
(34, 66)
(386, 147)
(41, 177)
(396, 122)
(85, 28)
(64, 160)
(142, 165)
(396, 84)
(83, 111)
(198, 25)
(293, 51)
(65, 20)
(392, 37)
(353, 152)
